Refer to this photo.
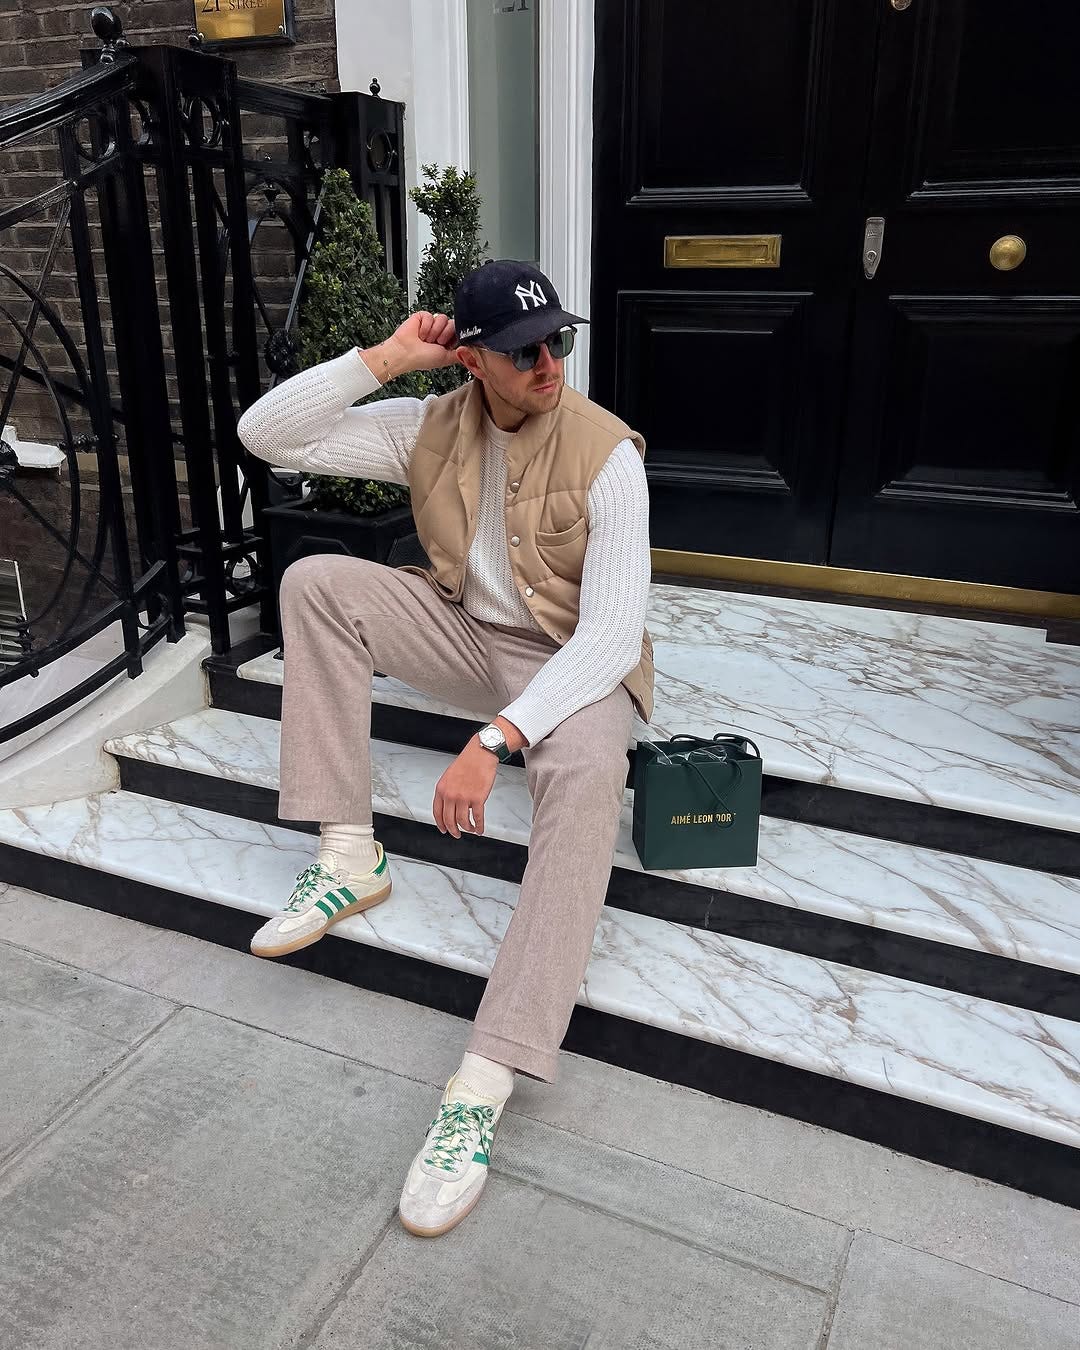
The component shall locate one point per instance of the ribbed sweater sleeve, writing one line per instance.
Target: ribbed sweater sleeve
(307, 423)
(606, 645)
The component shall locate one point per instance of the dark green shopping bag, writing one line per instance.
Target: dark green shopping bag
(697, 803)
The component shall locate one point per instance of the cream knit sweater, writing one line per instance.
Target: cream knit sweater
(308, 423)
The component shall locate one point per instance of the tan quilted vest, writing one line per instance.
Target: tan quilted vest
(552, 462)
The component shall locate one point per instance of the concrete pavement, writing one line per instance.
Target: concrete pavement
(202, 1150)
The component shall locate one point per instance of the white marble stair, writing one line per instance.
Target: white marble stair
(964, 715)
(970, 1057)
(964, 902)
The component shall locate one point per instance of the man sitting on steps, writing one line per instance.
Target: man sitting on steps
(532, 505)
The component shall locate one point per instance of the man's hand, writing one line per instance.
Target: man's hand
(423, 342)
(466, 785)
(464, 788)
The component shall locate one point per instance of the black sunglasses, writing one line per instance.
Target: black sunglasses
(559, 344)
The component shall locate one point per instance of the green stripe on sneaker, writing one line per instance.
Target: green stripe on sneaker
(480, 1158)
(381, 867)
(321, 904)
(335, 900)
(350, 899)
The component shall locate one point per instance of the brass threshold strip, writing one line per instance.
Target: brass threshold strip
(873, 585)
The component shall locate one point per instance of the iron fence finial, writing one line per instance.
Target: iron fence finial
(109, 28)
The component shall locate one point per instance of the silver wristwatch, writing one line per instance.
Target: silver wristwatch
(491, 738)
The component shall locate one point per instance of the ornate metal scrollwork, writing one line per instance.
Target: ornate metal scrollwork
(195, 112)
(381, 151)
(241, 574)
(281, 354)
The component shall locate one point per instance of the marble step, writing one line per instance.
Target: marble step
(909, 1044)
(981, 907)
(955, 714)
(410, 717)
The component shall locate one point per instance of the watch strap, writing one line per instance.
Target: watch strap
(503, 753)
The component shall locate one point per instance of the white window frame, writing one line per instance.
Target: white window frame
(566, 126)
(440, 134)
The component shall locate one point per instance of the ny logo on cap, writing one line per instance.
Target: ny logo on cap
(534, 293)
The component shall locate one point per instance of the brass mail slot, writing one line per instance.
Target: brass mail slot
(722, 250)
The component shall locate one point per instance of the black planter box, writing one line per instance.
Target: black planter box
(297, 530)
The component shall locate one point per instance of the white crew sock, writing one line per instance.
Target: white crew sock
(482, 1082)
(348, 846)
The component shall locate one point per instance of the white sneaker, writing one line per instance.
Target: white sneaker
(449, 1173)
(320, 898)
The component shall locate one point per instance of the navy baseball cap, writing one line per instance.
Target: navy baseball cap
(505, 304)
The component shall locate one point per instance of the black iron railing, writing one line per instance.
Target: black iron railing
(147, 295)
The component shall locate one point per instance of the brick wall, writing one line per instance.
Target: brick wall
(40, 42)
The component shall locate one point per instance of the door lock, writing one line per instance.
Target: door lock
(873, 241)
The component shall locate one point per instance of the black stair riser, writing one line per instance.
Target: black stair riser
(974, 836)
(1001, 979)
(1008, 1157)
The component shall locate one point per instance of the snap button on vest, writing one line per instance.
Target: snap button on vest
(529, 590)
(515, 540)
(514, 487)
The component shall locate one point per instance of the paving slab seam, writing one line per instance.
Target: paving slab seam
(227, 1017)
(310, 1334)
(58, 1016)
(85, 969)
(731, 1258)
(91, 970)
(834, 1293)
(85, 1096)
(701, 1176)
(971, 1270)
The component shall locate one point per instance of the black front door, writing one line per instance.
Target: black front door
(962, 452)
(922, 420)
(742, 128)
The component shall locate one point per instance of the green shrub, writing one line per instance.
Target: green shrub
(351, 300)
(452, 204)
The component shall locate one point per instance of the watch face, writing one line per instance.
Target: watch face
(491, 738)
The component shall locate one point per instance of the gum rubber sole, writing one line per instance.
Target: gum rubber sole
(357, 907)
(438, 1232)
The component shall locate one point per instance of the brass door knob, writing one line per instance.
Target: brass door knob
(1008, 252)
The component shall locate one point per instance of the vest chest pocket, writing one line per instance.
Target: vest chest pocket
(563, 551)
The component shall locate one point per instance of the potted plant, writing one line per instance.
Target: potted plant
(452, 205)
(350, 299)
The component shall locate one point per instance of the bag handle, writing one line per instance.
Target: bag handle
(724, 824)
(707, 751)
(720, 736)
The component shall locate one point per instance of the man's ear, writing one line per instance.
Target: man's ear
(470, 360)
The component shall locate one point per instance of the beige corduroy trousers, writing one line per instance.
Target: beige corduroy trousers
(342, 619)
